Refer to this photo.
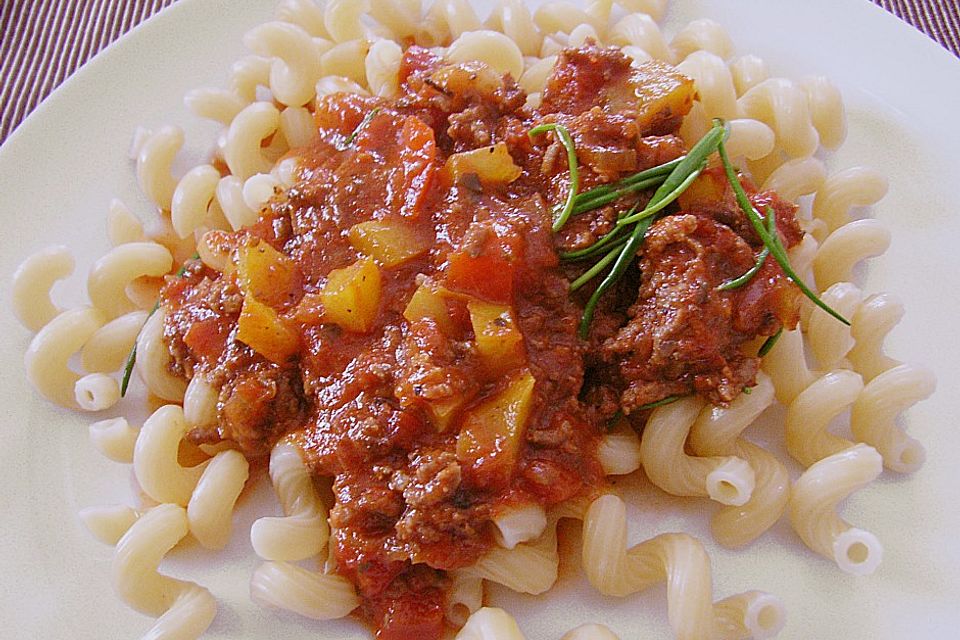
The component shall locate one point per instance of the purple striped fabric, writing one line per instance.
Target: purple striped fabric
(42, 42)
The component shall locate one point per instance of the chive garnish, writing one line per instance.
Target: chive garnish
(659, 403)
(739, 281)
(132, 357)
(624, 257)
(771, 241)
(360, 127)
(681, 176)
(567, 141)
(747, 390)
(769, 342)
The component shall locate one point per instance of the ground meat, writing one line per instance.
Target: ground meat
(685, 335)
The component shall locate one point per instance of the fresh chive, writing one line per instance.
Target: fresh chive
(772, 241)
(680, 178)
(614, 419)
(360, 127)
(769, 343)
(624, 258)
(597, 201)
(595, 270)
(747, 390)
(567, 141)
(132, 357)
(659, 403)
(736, 283)
(613, 237)
(661, 170)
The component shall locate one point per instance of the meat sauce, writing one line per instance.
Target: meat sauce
(401, 313)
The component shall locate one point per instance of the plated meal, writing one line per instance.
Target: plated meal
(441, 278)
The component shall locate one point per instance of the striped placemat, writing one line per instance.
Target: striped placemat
(42, 42)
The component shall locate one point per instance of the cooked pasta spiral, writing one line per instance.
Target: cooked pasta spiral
(295, 62)
(47, 357)
(873, 416)
(814, 500)
(809, 415)
(716, 432)
(153, 358)
(155, 155)
(242, 151)
(107, 349)
(874, 319)
(155, 458)
(321, 596)
(726, 479)
(111, 274)
(184, 609)
(192, 198)
(32, 282)
(114, 438)
(676, 558)
(304, 531)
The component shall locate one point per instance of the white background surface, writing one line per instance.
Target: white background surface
(59, 171)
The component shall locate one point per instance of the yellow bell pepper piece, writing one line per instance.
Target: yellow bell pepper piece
(491, 435)
(390, 242)
(427, 302)
(266, 273)
(499, 341)
(492, 165)
(261, 329)
(351, 296)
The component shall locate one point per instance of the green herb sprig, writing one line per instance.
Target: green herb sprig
(360, 127)
(680, 177)
(770, 240)
(574, 186)
(739, 281)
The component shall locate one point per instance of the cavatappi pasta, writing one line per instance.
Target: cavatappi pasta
(688, 448)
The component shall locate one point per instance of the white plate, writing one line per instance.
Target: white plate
(60, 169)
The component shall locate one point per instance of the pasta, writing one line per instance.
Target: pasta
(728, 480)
(183, 609)
(678, 559)
(270, 108)
(32, 283)
(815, 497)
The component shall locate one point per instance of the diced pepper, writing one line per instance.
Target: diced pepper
(419, 169)
(491, 435)
(443, 411)
(269, 275)
(426, 302)
(493, 165)
(499, 341)
(711, 186)
(351, 296)
(488, 276)
(261, 329)
(659, 95)
(390, 242)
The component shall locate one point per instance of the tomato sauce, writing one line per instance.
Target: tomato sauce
(423, 349)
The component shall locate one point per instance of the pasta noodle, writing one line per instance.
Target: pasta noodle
(319, 596)
(726, 479)
(590, 632)
(96, 392)
(809, 415)
(32, 282)
(211, 504)
(464, 598)
(111, 274)
(717, 432)
(814, 500)
(108, 524)
(295, 66)
(47, 357)
(114, 438)
(677, 559)
(184, 609)
(155, 155)
(303, 532)
(873, 415)
(152, 360)
(155, 458)
(107, 349)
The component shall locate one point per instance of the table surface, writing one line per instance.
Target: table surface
(44, 41)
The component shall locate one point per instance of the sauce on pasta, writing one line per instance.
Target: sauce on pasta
(402, 315)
